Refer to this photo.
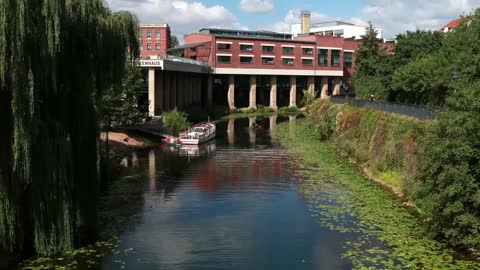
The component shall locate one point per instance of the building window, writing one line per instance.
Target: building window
(224, 47)
(140, 45)
(335, 58)
(157, 46)
(141, 33)
(307, 62)
(246, 59)
(307, 51)
(288, 61)
(149, 34)
(157, 34)
(323, 57)
(288, 50)
(224, 59)
(268, 60)
(268, 49)
(348, 59)
(246, 48)
(149, 46)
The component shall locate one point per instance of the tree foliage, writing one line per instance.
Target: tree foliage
(372, 67)
(174, 41)
(175, 121)
(57, 58)
(450, 186)
(120, 103)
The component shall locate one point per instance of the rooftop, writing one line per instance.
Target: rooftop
(451, 24)
(330, 24)
(153, 25)
(246, 33)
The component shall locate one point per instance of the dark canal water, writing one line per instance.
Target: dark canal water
(234, 203)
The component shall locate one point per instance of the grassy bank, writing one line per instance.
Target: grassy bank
(363, 208)
(386, 145)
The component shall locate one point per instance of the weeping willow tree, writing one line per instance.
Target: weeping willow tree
(57, 57)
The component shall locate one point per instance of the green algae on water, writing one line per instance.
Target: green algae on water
(385, 235)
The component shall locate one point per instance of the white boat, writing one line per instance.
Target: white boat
(198, 133)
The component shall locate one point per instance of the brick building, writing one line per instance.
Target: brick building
(154, 39)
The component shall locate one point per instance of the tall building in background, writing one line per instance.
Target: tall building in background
(333, 28)
(154, 39)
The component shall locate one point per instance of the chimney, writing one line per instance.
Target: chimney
(306, 21)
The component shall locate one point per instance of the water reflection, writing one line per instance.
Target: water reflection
(233, 203)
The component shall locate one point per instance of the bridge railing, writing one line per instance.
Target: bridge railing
(416, 111)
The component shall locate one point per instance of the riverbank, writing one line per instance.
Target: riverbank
(377, 213)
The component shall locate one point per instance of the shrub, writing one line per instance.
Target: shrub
(175, 121)
(308, 98)
(450, 170)
(264, 109)
(288, 110)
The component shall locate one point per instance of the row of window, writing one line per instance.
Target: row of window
(149, 34)
(149, 46)
(265, 48)
(322, 59)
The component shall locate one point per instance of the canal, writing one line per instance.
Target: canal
(233, 203)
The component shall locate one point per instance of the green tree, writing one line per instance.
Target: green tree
(174, 41)
(417, 83)
(450, 186)
(57, 58)
(175, 121)
(413, 45)
(373, 67)
(119, 104)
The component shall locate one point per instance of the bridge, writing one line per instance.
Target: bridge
(176, 82)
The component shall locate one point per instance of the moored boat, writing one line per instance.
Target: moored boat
(198, 133)
(172, 141)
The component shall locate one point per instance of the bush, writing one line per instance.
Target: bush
(175, 122)
(264, 109)
(288, 110)
(450, 170)
(308, 98)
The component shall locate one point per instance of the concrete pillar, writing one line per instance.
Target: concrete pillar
(293, 91)
(231, 92)
(336, 86)
(273, 92)
(311, 85)
(159, 91)
(209, 90)
(253, 92)
(324, 89)
(167, 89)
(151, 92)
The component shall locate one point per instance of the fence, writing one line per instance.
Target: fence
(417, 111)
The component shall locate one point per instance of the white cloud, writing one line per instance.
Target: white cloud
(256, 6)
(398, 16)
(293, 17)
(183, 16)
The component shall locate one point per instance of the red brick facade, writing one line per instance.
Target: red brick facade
(154, 39)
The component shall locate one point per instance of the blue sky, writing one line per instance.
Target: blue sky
(330, 7)
(392, 16)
